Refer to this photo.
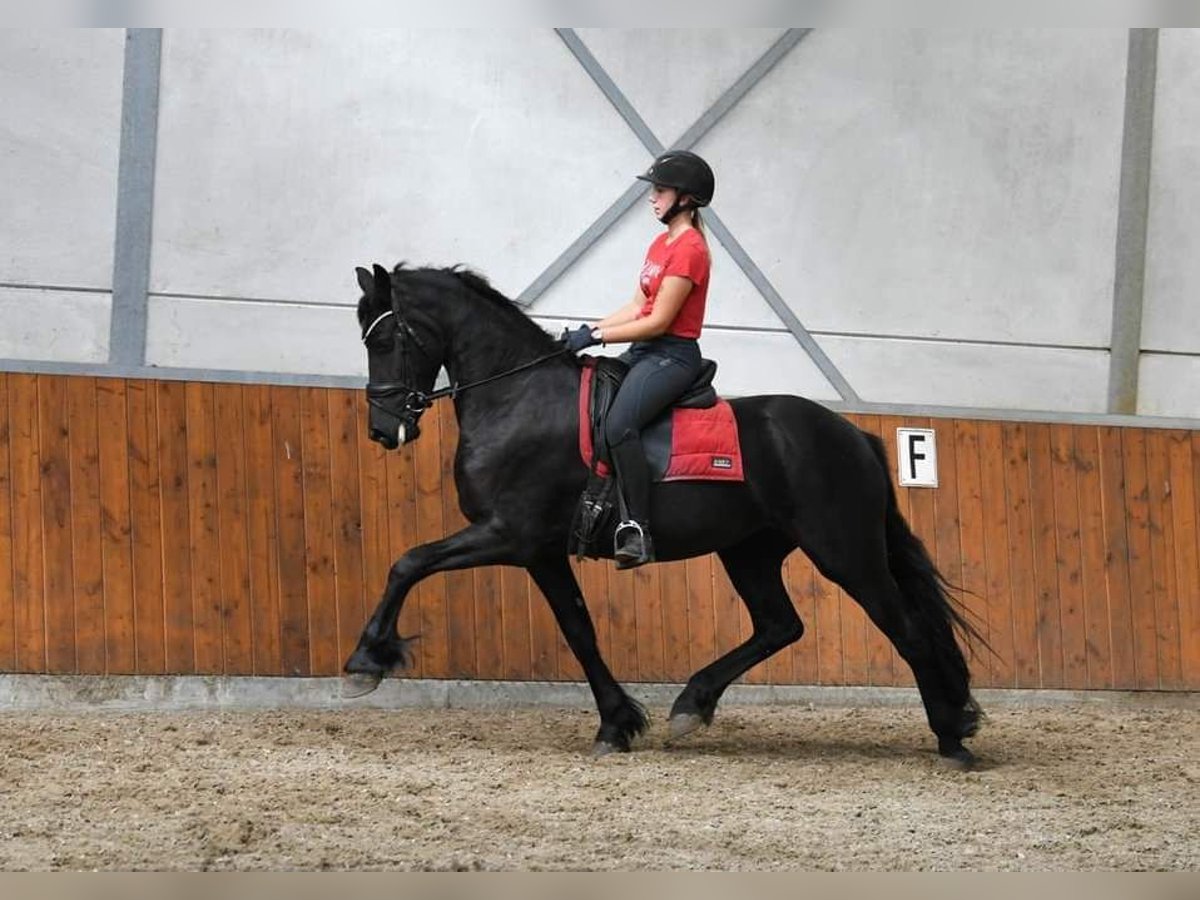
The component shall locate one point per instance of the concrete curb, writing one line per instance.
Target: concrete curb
(166, 693)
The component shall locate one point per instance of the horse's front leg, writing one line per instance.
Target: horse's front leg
(379, 648)
(621, 717)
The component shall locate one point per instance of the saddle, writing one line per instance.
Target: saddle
(695, 439)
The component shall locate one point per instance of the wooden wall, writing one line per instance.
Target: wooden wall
(163, 527)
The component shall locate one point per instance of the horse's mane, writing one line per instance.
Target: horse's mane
(479, 287)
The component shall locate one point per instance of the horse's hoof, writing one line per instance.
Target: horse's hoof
(359, 684)
(683, 724)
(959, 761)
(603, 748)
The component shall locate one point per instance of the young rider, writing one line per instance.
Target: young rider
(662, 323)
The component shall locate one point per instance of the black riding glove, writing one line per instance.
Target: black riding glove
(579, 339)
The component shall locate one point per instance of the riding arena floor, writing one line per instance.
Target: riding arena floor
(1080, 787)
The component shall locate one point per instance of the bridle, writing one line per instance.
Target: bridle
(380, 394)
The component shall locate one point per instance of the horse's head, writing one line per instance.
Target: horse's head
(404, 355)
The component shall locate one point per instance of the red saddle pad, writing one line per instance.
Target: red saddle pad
(704, 442)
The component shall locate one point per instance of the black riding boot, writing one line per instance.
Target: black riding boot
(632, 544)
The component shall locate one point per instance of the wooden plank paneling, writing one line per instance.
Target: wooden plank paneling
(623, 655)
(319, 532)
(205, 542)
(175, 519)
(54, 442)
(237, 621)
(1094, 583)
(996, 557)
(1141, 563)
(1116, 558)
(1022, 573)
(162, 527)
(145, 510)
(648, 628)
(489, 625)
(114, 467)
(87, 564)
(515, 597)
(702, 634)
(1185, 512)
(1045, 556)
(1068, 560)
(262, 531)
(29, 584)
(288, 450)
(8, 621)
(1162, 555)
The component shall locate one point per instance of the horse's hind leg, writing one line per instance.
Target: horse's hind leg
(621, 717)
(755, 568)
(945, 695)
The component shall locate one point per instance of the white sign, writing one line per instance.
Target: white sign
(918, 457)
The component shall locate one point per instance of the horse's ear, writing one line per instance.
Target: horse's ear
(383, 283)
(364, 280)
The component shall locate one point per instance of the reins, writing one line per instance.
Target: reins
(419, 400)
(455, 389)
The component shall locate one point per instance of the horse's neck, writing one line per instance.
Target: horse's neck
(490, 347)
(486, 343)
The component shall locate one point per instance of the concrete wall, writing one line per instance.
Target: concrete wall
(937, 207)
(1170, 365)
(60, 135)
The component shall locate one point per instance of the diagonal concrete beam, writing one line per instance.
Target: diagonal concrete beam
(727, 101)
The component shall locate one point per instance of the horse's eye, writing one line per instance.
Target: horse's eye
(382, 338)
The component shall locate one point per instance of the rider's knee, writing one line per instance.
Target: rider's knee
(620, 433)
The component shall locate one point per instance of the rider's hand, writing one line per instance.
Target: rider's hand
(582, 337)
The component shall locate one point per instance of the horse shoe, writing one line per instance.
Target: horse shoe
(683, 724)
(359, 684)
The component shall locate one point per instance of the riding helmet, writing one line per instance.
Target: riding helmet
(684, 171)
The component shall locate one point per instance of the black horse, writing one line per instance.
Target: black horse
(813, 481)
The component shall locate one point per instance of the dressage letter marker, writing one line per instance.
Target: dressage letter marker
(918, 457)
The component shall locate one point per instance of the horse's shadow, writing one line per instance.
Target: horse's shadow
(732, 740)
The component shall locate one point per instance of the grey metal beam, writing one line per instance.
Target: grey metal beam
(609, 88)
(650, 141)
(1132, 216)
(135, 196)
(760, 281)
(752, 76)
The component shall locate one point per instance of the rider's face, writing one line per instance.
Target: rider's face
(661, 199)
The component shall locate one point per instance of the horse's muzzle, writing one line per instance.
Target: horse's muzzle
(390, 440)
(394, 413)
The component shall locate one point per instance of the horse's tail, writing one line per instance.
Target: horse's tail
(928, 595)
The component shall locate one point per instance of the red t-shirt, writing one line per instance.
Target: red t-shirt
(687, 257)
